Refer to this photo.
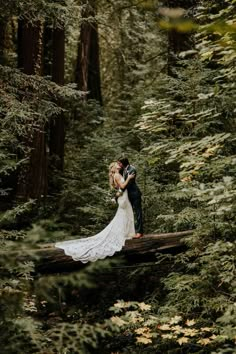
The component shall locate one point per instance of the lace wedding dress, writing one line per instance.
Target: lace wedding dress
(106, 242)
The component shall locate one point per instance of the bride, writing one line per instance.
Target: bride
(113, 237)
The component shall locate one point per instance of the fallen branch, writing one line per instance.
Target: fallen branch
(51, 259)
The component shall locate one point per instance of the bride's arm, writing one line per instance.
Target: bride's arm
(118, 180)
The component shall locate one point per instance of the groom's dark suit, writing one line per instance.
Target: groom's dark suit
(134, 195)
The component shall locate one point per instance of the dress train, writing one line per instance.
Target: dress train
(108, 241)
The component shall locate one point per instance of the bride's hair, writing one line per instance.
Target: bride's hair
(112, 171)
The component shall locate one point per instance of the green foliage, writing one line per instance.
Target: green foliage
(191, 123)
(27, 105)
(60, 12)
(76, 338)
(161, 332)
(179, 131)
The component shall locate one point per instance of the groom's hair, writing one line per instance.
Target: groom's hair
(124, 161)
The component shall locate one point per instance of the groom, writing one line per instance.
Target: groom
(134, 194)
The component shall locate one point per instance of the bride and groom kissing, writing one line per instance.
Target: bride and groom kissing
(122, 177)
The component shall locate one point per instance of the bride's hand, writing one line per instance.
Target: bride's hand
(131, 176)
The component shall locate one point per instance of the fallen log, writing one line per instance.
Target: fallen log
(54, 260)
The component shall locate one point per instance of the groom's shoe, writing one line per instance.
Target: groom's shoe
(138, 235)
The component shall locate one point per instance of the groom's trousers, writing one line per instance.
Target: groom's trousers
(136, 202)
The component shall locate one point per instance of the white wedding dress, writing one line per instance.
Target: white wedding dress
(106, 242)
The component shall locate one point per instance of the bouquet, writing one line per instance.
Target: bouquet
(118, 193)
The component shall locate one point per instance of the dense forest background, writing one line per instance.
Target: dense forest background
(81, 83)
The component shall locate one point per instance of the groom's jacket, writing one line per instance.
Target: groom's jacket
(132, 188)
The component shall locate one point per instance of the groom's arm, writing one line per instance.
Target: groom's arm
(132, 172)
(120, 182)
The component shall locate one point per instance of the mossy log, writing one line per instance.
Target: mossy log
(54, 260)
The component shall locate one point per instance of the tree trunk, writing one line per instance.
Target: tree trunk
(32, 181)
(177, 41)
(47, 49)
(30, 47)
(20, 52)
(51, 259)
(3, 28)
(57, 125)
(88, 63)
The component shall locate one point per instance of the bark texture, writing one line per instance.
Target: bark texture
(57, 124)
(178, 41)
(32, 181)
(88, 63)
(3, 29)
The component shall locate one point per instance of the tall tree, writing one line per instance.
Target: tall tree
(47, 49)
(178, 41)
(88, 63)
(57, 125)
(32, 181)
(3, 24)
